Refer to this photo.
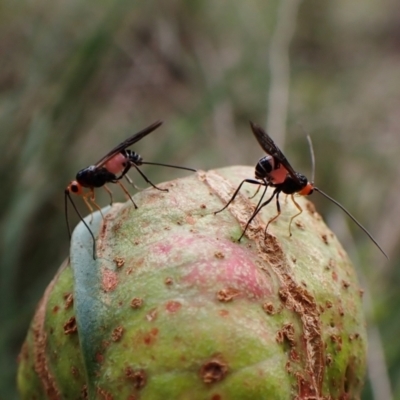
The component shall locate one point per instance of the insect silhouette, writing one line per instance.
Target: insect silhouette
(110, 169)
(274, 170)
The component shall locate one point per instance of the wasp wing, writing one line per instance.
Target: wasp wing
(128, 142)
(272, 149)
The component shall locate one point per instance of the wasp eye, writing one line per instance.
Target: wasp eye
(74, 187)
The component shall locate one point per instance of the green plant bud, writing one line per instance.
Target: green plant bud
(174, 307)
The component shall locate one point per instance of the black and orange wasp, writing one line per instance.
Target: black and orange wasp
(274, 170)
(110, 169)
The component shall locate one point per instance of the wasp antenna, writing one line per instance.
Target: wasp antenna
(311, 147)
(81, 218)
(169, 165)
(66, 194)
(353, 218)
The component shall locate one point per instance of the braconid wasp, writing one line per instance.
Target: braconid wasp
(110, 169)
(274, 170)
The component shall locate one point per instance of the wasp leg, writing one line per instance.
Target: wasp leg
(131, 183)
(124, 173)
(92, 199)
(261, 198)
(294, 216)
(255, 194)
(258, 209)
(110, 193)
(147, 180)
(286, 197)
(278, 207)
(127, 193)
(88, 206)
(252, 181)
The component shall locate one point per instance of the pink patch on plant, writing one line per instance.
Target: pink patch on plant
(109, 280)
(162, 248)
(232, 267)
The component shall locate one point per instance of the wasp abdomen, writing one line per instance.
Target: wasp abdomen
(265, 166)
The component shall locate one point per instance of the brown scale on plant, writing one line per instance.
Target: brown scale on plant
(228, 294)
(69, 300)
(213, 370)
(138, 377)
(70, 326)
(117, 333)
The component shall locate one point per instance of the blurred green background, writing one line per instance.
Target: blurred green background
(78, 77)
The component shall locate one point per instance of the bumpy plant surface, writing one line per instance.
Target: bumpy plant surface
(175, 308)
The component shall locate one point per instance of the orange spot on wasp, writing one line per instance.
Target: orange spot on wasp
(110, 169)
(274, 170)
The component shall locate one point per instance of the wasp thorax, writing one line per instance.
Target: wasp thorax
(84, 173)
(292, 186)
(303, 180)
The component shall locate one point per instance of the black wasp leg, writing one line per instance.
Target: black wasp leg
(258, 209)
(127, 193)
(147, 180)
(278, 207)
(252, 181)
(124, 172)
(294, 216)
(262, 196)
